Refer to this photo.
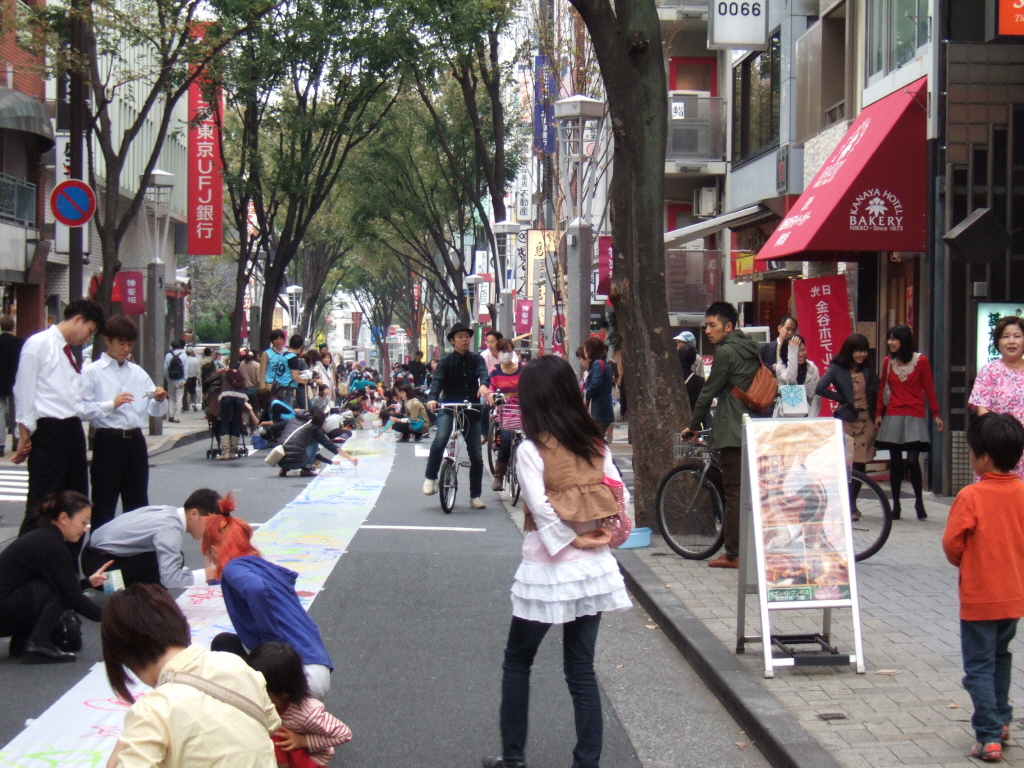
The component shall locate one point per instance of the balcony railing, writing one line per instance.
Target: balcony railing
(696, 128)
(17, 201)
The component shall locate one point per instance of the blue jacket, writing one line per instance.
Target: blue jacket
(261, 601)
(599, 391)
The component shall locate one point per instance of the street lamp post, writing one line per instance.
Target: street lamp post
(578, 121)
(159, 186)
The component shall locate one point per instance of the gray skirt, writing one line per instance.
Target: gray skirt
(907, 432)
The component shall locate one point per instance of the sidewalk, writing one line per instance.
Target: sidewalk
(910, 707)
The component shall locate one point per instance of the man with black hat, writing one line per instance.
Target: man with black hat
(461, 376)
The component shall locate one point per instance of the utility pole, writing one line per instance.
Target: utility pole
(76, 99)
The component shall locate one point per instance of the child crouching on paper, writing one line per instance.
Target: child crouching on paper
(309, 733)
(984, 537)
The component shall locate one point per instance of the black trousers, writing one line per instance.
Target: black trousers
(142, 568)
(56, 463)
(120, 470)
(32, 610)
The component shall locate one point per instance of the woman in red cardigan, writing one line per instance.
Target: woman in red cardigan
(905, 387)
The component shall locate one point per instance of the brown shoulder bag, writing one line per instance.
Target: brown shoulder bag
(760, 395)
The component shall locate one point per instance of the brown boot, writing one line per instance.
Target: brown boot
(499, 476)
(725, 561)
(225, 448)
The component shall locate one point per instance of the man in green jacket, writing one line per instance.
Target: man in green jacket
(736, 363)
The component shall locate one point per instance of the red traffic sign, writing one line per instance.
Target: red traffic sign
(73, 203)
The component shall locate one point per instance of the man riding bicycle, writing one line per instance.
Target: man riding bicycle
(461, 376)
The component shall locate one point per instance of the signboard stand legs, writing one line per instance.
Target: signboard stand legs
(796, 545)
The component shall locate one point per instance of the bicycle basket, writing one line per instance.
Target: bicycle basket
(684, 449)
(510, 417)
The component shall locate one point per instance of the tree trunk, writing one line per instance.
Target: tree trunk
(627, 41)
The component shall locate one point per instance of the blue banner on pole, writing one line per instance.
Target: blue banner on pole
(543, 106)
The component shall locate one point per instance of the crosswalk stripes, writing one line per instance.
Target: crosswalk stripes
(13, 484)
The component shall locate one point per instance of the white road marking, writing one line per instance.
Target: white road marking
(421, 452)
(422, 528)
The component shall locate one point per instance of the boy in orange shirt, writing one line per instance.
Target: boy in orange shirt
(984, 537)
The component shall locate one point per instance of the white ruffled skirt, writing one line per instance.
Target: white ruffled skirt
(561, 591)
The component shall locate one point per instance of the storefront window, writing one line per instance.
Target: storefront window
(896, 29)
(756, 84)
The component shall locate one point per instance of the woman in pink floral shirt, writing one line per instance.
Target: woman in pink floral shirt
(1000, 384)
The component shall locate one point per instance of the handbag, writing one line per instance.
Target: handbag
(846, 412)
(274, 457)
(793, 400)
(618, 525)
(67, 633)
(760, 395)
(886, 392)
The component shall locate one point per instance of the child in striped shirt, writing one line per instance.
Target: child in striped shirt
(309, 733)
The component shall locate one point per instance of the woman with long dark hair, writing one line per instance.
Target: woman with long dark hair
(795, 368)
(905, 388)
(568, 575)
(852, 382)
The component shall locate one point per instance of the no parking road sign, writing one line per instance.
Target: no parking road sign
(73, 203)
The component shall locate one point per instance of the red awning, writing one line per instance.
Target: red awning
(870, 195)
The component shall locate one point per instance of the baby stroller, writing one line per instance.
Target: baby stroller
(212, 398)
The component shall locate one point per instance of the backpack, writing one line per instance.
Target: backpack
(175, 368)
(760, 395)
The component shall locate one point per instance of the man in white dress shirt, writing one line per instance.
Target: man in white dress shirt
(48, 402)
(118, 398)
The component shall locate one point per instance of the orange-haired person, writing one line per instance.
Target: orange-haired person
(261, 600)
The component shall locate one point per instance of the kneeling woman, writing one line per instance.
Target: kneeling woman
(568, 575)
(184, 722)
(261, 600)
(39, 581)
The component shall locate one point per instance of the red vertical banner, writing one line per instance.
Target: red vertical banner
(604, 265)
(205, 185)
(823, 311)
(128, 286)
(558, 336)
(524, 316)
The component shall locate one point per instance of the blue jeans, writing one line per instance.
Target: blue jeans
(505, 449)
(445, 422)
(308, 462)
(578, 640)
(987, 666)
(231, 411)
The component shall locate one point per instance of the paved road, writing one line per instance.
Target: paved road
(415, 622)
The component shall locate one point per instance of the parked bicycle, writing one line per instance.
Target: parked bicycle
(690, 505)
(505, 416)
(448, 476)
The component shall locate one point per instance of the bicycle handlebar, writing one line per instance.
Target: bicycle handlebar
(466, 404)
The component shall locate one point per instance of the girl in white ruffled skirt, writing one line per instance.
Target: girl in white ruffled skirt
(568, 575)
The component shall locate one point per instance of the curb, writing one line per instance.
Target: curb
(780, 737)
(187, 438)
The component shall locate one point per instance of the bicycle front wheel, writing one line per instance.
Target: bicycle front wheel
(447, 484)
(492, 451)
(872, 528)
(512, 480)
(690, 516)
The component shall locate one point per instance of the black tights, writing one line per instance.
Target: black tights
(855, 485)
(898, 468)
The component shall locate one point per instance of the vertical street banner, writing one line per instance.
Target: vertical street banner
(205, 187)
(521, 271)
(129, 286)
(823, 312)
(558, 336)
(524, 316)
(483, 298)
(604, 266)
(543, 106)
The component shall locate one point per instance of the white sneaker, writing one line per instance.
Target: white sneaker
(428, 487)
(477, 503)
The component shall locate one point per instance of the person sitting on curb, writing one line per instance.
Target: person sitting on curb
(299, 436)
(145, 545)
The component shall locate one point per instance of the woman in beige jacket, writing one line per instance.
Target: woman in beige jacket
(206, 709)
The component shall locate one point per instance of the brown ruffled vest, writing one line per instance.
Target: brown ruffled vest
(573, 486)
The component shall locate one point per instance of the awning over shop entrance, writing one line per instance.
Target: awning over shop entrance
(20, 112)
(738, 218)
(870, 195)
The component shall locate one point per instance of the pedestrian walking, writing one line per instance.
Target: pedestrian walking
(691, 378)
(505, 379)
(598, 388)
(568, 574)
(906, 386)
(193, 370)
(418, 369)
(687, 339)
(250, 368)
(999, 387)
(261, 600)
(49, 407)
(118, 399)
(10, 351)
(309, 733)
(984, 538)
(794, 369)
(736, 364)
(461, 376)
(852, 382)
(175, 369)
(39, 579)
(146, 546)
(206, 710)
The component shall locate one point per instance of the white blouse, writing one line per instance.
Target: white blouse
(556, 582)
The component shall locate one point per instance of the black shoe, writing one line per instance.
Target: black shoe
(418, 438)
(500, 762)
(896, 511)
(45, 653)
(17, 646)
(404, 439)
(921, 514)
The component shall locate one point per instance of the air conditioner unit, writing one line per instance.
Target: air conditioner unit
(705, 202)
